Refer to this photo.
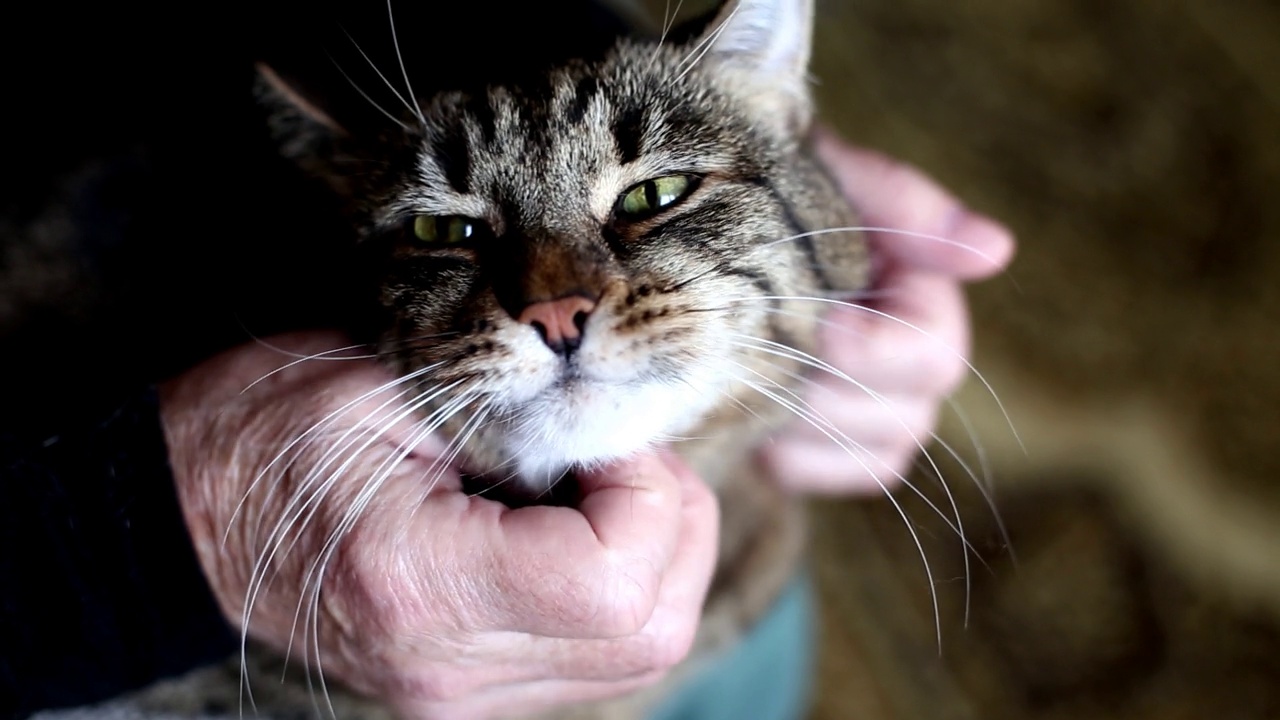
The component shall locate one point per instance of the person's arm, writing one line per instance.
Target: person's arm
(100, 589)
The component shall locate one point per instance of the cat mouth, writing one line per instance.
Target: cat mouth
(564, 491)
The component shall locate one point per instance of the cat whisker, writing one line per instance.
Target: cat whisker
(370, 433)
(850, 447)
(803, 358)
(373, 66)
(911, 326)
(668, 22)
(325, 355)
(306, 498)
(395, 43)
(365, 95)
(705, 45)
(981, 479)
(787, 352)
(315, 574)
(984, 468)
(312, 433)
(873, 228)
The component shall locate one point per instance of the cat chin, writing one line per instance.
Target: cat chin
(590, 423)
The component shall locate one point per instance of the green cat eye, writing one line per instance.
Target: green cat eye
(444, 229)
(650, 196)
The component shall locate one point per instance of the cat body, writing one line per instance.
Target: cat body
(604, 255)
(581, 259)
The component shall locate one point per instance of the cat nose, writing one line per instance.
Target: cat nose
(559, 322)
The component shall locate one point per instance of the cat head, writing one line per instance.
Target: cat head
(594, 258)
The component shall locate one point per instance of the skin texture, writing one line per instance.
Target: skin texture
(443, 606)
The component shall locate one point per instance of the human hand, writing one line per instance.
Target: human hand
(442, 604)
(910, 347)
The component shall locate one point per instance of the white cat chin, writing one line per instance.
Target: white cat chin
(591, 422)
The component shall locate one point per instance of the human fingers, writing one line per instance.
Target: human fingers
(506, 671)
(913, 339)
(867, 450)
(668, 633)
(925, 227)
(588, 572)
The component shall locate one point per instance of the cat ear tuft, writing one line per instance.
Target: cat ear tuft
(298, 125)
(301, 130)
(766, 45)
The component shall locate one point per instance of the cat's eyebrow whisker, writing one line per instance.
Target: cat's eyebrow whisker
(911, 326)
(390, 86)
(668, 22)
(843, 442)
(365, 95)
(395, 43)
(689, 62)
(874, 228)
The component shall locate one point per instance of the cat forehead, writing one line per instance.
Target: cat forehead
(630, 111)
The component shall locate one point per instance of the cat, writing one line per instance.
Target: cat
(595, 256)
(615, 251)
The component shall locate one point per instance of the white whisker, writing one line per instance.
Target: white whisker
(958, 355)
(851, 448)
(364, 94)
(705, 45)
(395, 43)
(788, 352)
(872, 228)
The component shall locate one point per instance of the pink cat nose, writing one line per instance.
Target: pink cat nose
(559, 322)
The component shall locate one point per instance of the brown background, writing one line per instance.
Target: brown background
(1134, 146)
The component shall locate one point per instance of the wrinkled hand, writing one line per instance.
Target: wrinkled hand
(446, 605)
(910, 348)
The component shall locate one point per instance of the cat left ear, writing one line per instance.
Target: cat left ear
(765, 45)
(302, 131)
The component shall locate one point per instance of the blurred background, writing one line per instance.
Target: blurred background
(1134, 147)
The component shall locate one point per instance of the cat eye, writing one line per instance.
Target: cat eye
(647, 198)
(445, 229)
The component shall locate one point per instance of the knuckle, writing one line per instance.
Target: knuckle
(626, 599)
(674, 646)
(658, 650)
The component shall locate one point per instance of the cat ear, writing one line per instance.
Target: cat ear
(301, 130)
(764, 45)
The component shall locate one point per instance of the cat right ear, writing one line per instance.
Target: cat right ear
(301, 130)
(763, 45)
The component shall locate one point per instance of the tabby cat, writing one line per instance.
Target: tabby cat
(578, 262)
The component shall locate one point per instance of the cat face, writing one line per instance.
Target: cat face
(575, 268)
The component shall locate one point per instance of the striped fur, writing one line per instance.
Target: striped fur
(541, 166)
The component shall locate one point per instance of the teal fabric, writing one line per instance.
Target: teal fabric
(768, 676)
